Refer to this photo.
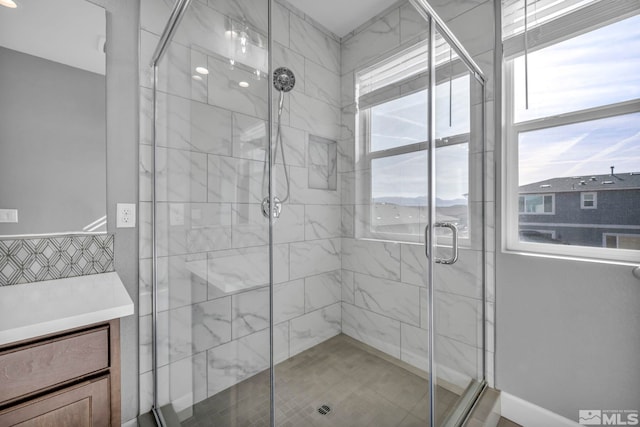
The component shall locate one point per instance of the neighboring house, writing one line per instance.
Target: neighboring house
(595, 210)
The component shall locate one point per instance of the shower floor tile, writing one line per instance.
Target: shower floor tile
(360, 388)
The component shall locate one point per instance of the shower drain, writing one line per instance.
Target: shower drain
(324, 409)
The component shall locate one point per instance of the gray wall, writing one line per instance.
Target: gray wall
(52, 144)
(123, 17)
(567, 333)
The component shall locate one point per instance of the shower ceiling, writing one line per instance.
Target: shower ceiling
(339, 16)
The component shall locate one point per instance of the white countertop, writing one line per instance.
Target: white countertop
(33, 309)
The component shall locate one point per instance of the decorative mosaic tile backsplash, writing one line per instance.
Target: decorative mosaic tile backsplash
(48, 258)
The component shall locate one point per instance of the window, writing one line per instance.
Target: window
(588, 200)
(622, 241)
(572, 111)
(536, 204)
(393, 139)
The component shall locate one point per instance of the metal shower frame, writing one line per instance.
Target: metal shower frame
(434, 22)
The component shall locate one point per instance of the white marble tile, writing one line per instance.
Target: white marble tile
(348, 124)
(302, 194)
(144, 227)
(288, 300)
(237, 360)
(211, 323)
(295, 143)
(145, 343)
(459, 318)
(221, 179)
(490, 326)
(184, 228)
(225, 92)
(285, 57)
(154, 15)
(250, 312)
(146, 389)
(322, 162)
(316, 45)
(249, 226)
(348, 286)
(347, 89)
(280, 342)
(173, 125)
(314, 257)
(181, 176)
(188, 382)
(457, 363)
(474, 37)
(249, 137)
(415, 346)
(414, 264)
(238, 270)
(174, 76)
(347, 221)
(379, 37)
(464, 277)
(449, 9)
(280, 24)
(199, 83)
(177, 287)
(392, 299)
(210, 129)
(322, 221)
(322, 290)
(253, 12)
(182, 337)
(290, 226)
(322, 84)
(346, 153)
(424, 308)
(412, 24)
(379, 259)
(250, 187)
(373, 329)
(314, 328)
(314, 116)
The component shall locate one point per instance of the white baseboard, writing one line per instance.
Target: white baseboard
(529, 415)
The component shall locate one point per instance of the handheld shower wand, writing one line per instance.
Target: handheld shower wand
(283, 80)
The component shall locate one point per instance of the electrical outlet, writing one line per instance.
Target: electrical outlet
(126, 215)
(8, 215)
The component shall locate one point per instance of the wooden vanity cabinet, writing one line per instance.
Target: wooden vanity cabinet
(69, 379)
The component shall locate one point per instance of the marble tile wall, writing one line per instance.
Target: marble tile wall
(384, 300)
(212, 242)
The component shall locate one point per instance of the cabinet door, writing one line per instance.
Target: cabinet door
(85, 404)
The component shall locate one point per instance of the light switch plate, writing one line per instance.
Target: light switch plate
(126, 215)
(8, 215)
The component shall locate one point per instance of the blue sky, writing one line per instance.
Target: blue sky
(574, 75)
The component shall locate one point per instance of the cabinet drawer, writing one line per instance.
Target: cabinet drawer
(82, 405)
(37, 366)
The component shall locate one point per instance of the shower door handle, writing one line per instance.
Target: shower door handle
(454, 231)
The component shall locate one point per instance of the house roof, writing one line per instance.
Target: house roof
(618, 181)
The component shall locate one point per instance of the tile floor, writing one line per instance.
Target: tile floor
(361, 389)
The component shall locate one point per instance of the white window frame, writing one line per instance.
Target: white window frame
(583, 196)
(543, 195)
(616, 235)
(560, 30)
(365, 158)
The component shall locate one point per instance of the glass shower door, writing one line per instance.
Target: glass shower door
(209, 106)
(458, 264)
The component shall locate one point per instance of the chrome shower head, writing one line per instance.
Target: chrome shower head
(283, 79)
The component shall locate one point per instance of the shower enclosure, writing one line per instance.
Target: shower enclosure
(312, 252)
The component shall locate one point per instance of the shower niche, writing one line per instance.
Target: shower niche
(323, 163)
